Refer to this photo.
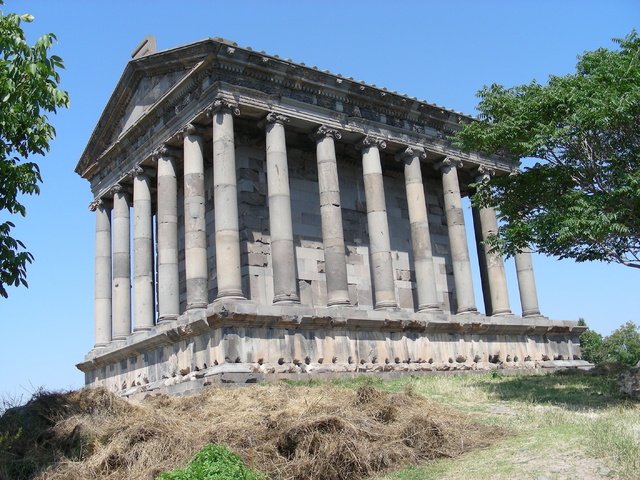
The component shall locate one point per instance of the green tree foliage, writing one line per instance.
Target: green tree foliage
(591, 346)
(581, 199)
(29, 82)
(622, 346)
(213, 462)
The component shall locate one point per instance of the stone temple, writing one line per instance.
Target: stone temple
(256, 216)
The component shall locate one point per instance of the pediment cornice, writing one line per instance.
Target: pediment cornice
(208, 67)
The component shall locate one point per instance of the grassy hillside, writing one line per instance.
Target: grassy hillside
(428, 427)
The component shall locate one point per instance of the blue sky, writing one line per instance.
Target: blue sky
(441, 52)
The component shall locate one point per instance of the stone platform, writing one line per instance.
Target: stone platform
(251, 340)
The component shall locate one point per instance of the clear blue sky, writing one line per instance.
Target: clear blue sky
(442, 52)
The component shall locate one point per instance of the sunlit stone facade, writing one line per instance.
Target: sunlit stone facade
(256, 217)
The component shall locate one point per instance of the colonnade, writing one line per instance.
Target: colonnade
(113, 307)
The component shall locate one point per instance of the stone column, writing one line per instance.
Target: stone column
(102, 292)
(195, 235)
(527, 284)
(280, 224)
(420, 236)
(494, 278)
(167, 220)
(121, 264)
(143, 284)
(225, 199)
(457, 236)
(379, 242)
(331, 217)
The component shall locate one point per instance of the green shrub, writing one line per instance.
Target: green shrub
(622, 346)
(213, 462)
(591, 346)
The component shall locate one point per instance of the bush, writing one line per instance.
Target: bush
(622, 346)
(591, 346)
(213, 462)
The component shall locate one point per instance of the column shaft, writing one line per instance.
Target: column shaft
(420, 236)
(527, 284)
(195, 235)
(457, 238)
(280, 224)
(167, 219)
(331, 218)
(492, 265)
(379, 242)
(103, 286)
(121, 265)
(143, 284)
(225, 199)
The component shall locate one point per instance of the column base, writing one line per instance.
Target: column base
(120, 338)
(230, 295)
(429, 307)
(196, 306)
(384, 305)
(531, 313)
(467, 310)
(501, 312)
(142, 329)
(338, 302)
(168, 318)
(284, 298)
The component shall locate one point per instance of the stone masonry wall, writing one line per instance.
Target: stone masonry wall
(254, 226)
(255, 249)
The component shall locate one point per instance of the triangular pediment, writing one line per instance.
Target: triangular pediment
(144, 83)
(147, 92)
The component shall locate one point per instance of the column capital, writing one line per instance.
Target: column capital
(166, 151)
(411, 152)
(371, 141)
(448, 163)
(99, 203)
(139, 171)
(118, 188)
(484, 173)
(190, 129)
(220, 104)
(325, 131)
(273, 117)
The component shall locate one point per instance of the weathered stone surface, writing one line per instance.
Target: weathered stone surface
(297, 257)
(629, 382)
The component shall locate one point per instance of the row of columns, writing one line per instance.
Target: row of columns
(113, 276)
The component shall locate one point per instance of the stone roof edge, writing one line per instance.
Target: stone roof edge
(136, 67)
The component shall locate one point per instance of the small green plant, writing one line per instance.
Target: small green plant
(213, 462)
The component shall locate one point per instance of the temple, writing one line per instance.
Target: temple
(255, 216)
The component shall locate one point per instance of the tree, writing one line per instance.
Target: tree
(591, 344)
(581, 199)
(29, 82)
(623, 345)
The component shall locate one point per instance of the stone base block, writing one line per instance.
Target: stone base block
(240, 341)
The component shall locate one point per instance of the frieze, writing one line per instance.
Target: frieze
(191, 95)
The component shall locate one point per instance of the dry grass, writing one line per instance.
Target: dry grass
(287, 432)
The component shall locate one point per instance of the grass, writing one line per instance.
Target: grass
(569, 424)
(213, 462)
(566, 426)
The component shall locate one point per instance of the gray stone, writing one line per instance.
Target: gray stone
(629, 382)
(271, 253)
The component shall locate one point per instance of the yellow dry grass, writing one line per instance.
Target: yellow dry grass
(286, 432)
